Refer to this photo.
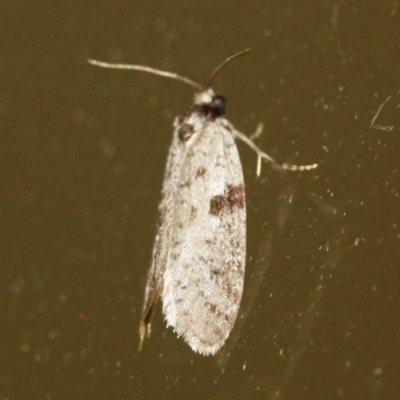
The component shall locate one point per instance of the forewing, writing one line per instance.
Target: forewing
(203, 278)
(161, 244)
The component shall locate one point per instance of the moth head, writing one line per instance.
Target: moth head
(212, 105)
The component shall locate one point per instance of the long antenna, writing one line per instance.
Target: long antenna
(224, 64)
(167, 74)
(146, 69)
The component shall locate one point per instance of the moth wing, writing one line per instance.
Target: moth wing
(161, 244)
(203, 279)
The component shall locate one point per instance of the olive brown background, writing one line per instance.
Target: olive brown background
(83, 151)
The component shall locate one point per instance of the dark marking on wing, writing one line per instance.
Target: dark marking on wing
(185, 131)
(193, 213)
(217, 204)
(200, 172)
(234, 196)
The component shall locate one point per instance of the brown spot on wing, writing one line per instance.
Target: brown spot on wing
(200, 172)
(233, 196)
(193, 213)
(217, 204)
(236, 195)
(185, 131)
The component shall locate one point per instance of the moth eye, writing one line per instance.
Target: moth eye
(218, 105)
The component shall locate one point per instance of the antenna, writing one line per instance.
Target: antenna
(167, 74)
(224, 64)
(150, 70)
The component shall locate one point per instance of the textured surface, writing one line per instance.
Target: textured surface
(200, 247)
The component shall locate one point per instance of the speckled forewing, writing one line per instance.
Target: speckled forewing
(155, 275)
(206, 250)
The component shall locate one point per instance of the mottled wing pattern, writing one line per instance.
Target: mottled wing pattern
(204, 272)
(160, 250)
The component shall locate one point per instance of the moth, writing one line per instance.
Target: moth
(199, 252)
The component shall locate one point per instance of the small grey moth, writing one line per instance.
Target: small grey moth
(199, 252)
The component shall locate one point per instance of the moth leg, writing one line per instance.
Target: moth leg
(257, 133)
(264, 156)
